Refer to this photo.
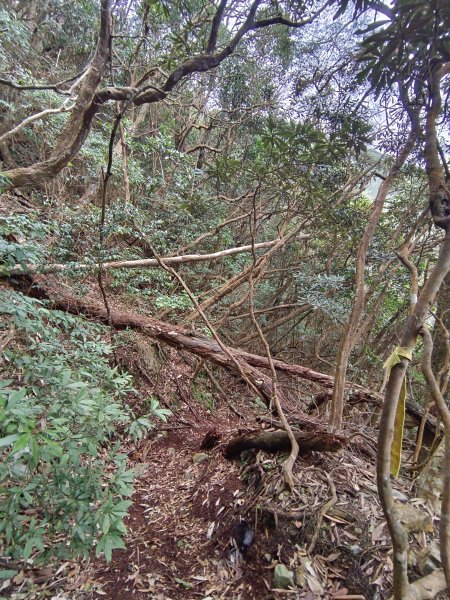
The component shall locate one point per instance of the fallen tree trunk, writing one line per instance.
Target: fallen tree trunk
(197, 344)
(167, 334)
(278, 441)
(178, 337)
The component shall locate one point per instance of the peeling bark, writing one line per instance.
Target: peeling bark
(78, 125)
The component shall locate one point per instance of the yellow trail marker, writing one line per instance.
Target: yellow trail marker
(396, 447)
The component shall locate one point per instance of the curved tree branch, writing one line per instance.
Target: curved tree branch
(78, 125)
(90, 98)
(35, 117)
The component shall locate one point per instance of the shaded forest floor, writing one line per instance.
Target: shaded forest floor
(185, 526)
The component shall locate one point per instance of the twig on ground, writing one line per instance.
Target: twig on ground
(331, 502)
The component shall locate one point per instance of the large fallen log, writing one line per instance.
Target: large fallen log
(278, 441)
(178, 337)
(166, 333)
(198, 344)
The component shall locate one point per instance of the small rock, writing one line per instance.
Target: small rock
(355, 550)
(398, 495)
(268, 558)
(140, 469)
(300, 577)
(413, 519)
(435, 551)
(283, 577)
(427, 562)
(199, 457)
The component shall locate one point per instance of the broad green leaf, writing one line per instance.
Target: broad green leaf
(8, 573)
(22, 441)
(8, 440)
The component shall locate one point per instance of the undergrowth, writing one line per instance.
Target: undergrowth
(64, 483)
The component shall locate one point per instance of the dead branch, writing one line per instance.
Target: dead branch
(323, 511)
(36, 117)
(177, 337)
(146, 262)
(289, 464)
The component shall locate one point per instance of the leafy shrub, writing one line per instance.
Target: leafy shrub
(64, 485)
(323, 292)
(22, 241)
(174, 301)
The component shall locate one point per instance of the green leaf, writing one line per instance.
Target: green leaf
(372, 26)
(22, 441)
(121, 508)
(28, 548)
(106, 524)
(8, 573)
(107, 544)
(8, 440)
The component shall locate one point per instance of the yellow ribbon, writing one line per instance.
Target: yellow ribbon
(396, 447)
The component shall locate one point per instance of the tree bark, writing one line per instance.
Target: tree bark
(278, 441)
(78, 125)
(413, 325)
(349, 339)
(184, 340)
(145, 262)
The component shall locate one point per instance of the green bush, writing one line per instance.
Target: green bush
(22, 241)
(64, 485)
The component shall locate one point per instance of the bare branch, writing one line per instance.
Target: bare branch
(149, 262)
(56, 87)
(215, 27)
(35, 117)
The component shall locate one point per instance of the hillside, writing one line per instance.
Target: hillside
(224, 299)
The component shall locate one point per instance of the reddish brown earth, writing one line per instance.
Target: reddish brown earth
(183, 522)
(180, 543)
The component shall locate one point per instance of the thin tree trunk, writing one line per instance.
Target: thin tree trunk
(348, 339)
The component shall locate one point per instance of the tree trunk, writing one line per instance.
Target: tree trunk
(350, 338)
(278, 441)
(184, 340)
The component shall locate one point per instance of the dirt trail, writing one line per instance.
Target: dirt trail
(180, 523)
